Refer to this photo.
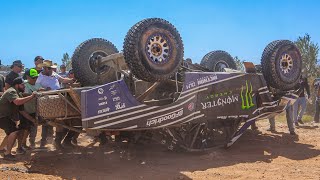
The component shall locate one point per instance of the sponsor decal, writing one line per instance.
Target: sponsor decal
(103, 110)
(207, 79)
(100, 91)
(104, 98)
(119, 106)
(116, 99)
(103, 103)
(220, 102)
(246, 97)
(232, 116)
(191, 85)
(169, 116)
(112, 87)
(114, 92)
(191, 106)
(219, 94)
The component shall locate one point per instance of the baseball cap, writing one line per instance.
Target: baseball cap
(17, 80)
(38, 58)
(62, 66)
(16, 63)
(33, 73)
(71, 71)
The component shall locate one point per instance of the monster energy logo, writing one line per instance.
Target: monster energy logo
(246, 100)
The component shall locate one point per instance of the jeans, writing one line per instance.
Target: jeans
(33, 134)
(316, 115)
(289, 117)
(300, 102)
(46, 130)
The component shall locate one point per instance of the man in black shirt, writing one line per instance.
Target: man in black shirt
(301, 102)
(38, 60)
(16, 69)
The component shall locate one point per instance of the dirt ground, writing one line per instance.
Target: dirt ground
(254, 156)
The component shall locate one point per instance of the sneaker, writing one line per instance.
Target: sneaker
(32, 145)
(26, 148)
(43, 144)
(293, 133)
(20, 151)
(296, 123)
(9, 157)
(300, 121)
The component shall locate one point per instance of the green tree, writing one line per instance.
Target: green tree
(309, 52)
(66, 61)
(239, 63)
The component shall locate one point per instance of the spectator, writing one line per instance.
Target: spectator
(2, 84)
(54, 69)
(16, 69)
(10, 102)
(71, 74)
(316, 85)
(289, 117)
(38, 60)
(51, 81)
(63, 72)
(301, 102)
(30, 107)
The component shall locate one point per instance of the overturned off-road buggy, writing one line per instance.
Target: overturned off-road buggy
(149, 90)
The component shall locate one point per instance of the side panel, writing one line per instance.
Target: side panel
(205, 96)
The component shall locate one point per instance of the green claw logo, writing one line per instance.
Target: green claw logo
(246, 101)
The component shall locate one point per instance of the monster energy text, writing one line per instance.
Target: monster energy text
(220, 102)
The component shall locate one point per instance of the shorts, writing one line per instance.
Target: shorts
(8, 125)
(25, 124)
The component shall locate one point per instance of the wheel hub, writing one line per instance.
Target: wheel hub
(220, 66)
(286, 63)
(93, 62)
(157, 49)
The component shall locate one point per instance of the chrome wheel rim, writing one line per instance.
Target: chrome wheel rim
(286, 63)
(158, 49)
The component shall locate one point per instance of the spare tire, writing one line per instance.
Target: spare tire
(218, 60)
(84, 62)
(281, 64)
(153, 49)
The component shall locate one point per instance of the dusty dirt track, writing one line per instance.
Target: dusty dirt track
(253, 156)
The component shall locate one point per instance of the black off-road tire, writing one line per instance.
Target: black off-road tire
(214, 59)
(281, 74)
(153, 49)
(84, 70)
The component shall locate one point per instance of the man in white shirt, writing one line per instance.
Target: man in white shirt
(50, 80)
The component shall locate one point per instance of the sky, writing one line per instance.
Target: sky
(241, 27)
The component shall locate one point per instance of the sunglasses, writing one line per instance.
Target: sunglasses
(49, 68)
